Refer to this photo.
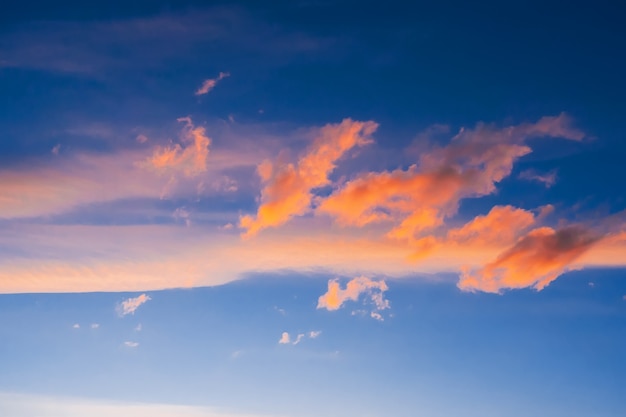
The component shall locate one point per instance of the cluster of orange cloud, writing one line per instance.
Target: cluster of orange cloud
(416, 201)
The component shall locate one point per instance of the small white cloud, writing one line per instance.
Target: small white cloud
(131, 344)
(210, 83)
(138, 328)
(95, 325)
(284, 339)
(76, 326)
(314, 334)
(592, 284)
(130, 305)
(298, 339)
(236, 354)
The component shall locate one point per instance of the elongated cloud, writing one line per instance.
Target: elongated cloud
(130, 305)
(535, 260)
(419, 198)
(548, 179)
(131, 344)
(498, 228)
(336, 296)
(287, 186)
(210, 83)
(190, 157)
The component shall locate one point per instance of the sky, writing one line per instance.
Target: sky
(312, 208)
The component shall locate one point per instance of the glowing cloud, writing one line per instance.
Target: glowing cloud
(335, 297)
(287, 186)
(210, 83)
(189, 158)
(420, 197)
(535, 260)
(130, 305)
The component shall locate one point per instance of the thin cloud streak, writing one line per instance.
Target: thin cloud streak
(210, 83)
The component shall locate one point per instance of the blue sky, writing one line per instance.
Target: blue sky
(312, 208)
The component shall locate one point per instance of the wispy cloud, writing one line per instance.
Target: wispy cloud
(130, 305)
(286, 339)
(131, 344)
(189, 157)
(210, 83)
(287, 187)
(76, 326)
(52, 406)
(95, 325)
(548, 179)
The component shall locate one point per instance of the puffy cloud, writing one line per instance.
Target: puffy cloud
(336, 296)
(130, 305)
(190, 157)
(284, 339)
(210, 83)
(418, 198)
(287, 189)
(548, 179)
(536, 260)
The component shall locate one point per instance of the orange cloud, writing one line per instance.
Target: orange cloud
(209, 84)
(535, 260)
(498, 228)
(191, 158)
(420, 197)
(334, 298)
(287, 186)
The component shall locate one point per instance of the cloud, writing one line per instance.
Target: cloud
(548, 179)
(76, 326)
(189, 157)
(56, 149)
(335, 297)
(95, 325)
(210, 83)
(419, 198)
(130, 305)
(298, 339)
(138, 328)
(535, 260)
(13, 404)
(284, 339)
(498, 228)
(131, 344)
(287, 187)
